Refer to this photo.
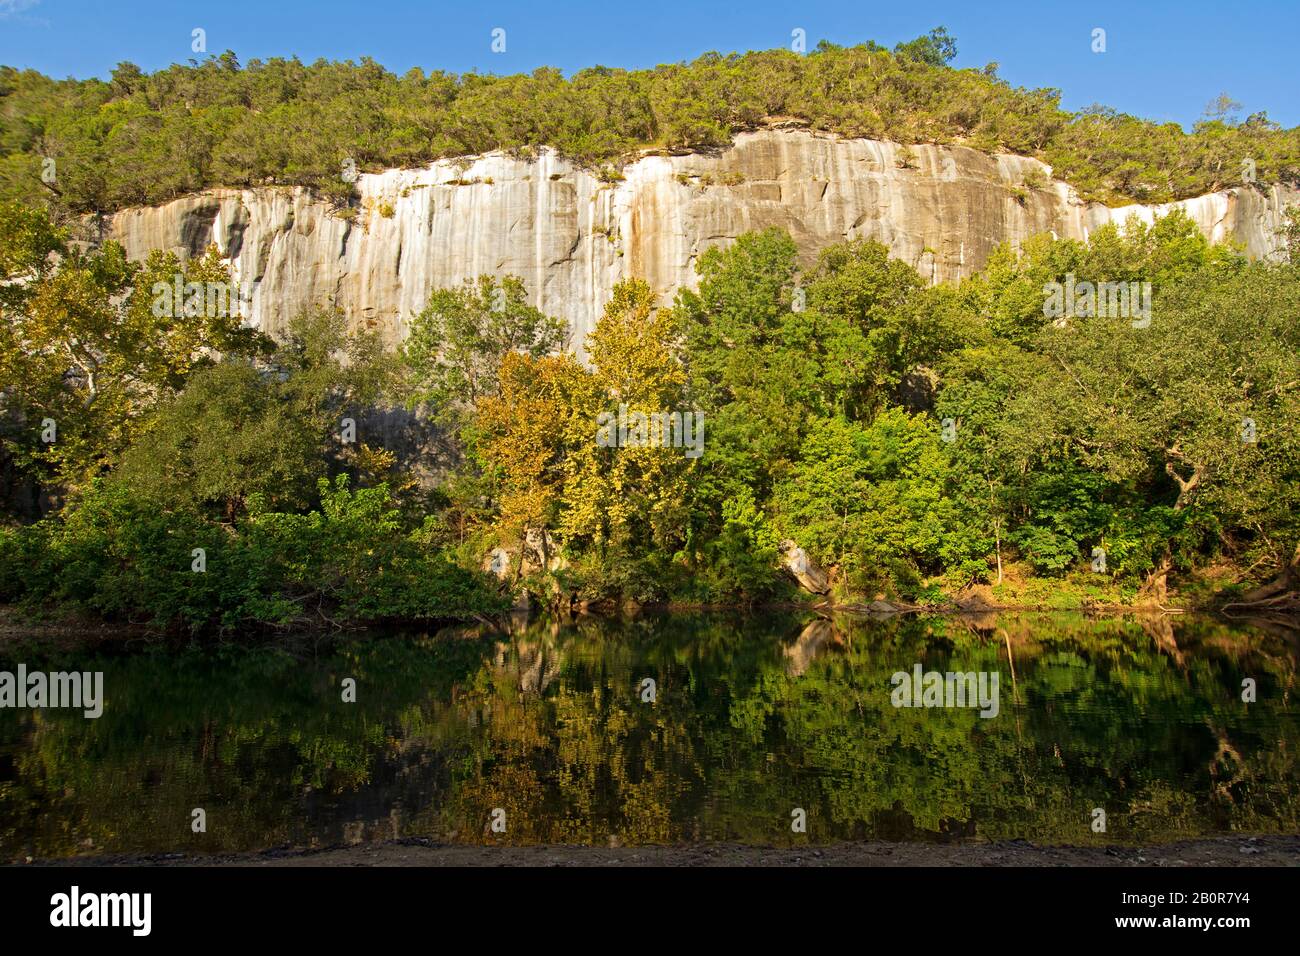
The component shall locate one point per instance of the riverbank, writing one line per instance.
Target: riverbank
(72, 632)
(80, 632)
(1233, 851)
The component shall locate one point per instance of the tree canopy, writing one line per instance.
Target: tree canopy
(146, 138)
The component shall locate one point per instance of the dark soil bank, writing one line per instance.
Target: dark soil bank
(1221, 851)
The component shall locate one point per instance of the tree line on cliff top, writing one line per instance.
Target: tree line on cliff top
(913, 439)
(147, 138)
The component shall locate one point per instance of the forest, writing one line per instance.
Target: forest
(147, 138)
(916, 441)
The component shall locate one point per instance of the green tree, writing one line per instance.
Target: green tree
(91, 345)
(271, 429)
(456, 343)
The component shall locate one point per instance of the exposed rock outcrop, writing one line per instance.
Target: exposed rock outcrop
(571, 237)
(541, 552)
(497, 563)
(803, 568)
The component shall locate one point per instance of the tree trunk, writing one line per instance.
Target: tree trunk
(1288, 580)
(1155, 589)
(523, 550)
(998, 532)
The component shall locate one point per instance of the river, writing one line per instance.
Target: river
(762, 729)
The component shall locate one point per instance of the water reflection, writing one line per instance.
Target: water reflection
(751, 718)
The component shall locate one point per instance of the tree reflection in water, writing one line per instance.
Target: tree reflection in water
(752, 717)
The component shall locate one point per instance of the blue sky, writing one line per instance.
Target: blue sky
(1163, 61)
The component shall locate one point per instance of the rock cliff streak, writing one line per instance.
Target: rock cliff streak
(571, 236)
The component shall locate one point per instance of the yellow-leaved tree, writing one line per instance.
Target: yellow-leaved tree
(635, 493)
(527, 433)
(541, 434)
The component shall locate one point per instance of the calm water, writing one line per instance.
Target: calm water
(752, 718)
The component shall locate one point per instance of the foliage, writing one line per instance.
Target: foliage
(864, 496)
(1056, 440)
(84, 343)
(743, 557)
(272, 429)
(1108, 432)
(130, 558)
(456, 343)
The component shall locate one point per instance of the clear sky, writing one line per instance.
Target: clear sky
(1163, 60)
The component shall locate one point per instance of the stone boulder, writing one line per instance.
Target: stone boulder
(804, 569)
(540, 553)
(497, 563)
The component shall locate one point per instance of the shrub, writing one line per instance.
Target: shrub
(743, 558)
(129, 558)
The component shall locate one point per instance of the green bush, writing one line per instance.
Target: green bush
(128, 558)
(743, 558)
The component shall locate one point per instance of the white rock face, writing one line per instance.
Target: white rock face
(571, 237)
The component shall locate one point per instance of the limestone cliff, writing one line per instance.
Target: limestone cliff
(571, 236)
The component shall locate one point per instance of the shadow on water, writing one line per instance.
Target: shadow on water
(748, 719)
